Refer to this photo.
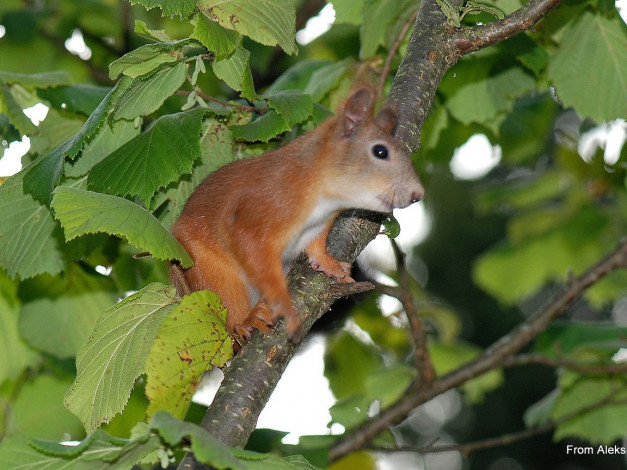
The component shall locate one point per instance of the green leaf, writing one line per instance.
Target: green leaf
(539, 413)
(59, 312)
(598, 89)
(98, 450)
(261, 129)
(43, 175)
(158, 35)
(348, 363)
(206, 448)
(350, 411)
(269, 22)
(115, 354)
(448, 357)
(191, 341)
(106, 141)
(478, 90)
(219, 40)
(81, 212)
(602, 425)
(378, 16)
(11, 343)
(182, 8)
(389, 383)
(293, 106)
(81, 98)
(147, 58)
(10, 107)
(54, 130)
(512, 270)
(349, 11)
(235, 72)
(30, 239)
(144, 164)
(326, 78)
(146, 95)
(48, 419)
(217, 150)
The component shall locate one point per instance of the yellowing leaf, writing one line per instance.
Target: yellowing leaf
(191, 341)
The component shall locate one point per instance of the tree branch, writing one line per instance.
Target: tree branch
(492, 358)
(584, 368)
(473, 38)
(422, 360)
(506, 439)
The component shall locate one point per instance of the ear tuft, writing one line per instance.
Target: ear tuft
(357, 107)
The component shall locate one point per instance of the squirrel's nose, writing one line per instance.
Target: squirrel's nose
(417, 195)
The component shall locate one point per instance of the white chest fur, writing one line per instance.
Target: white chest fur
(314, 224)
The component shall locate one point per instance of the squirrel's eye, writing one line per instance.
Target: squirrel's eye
(380, 151)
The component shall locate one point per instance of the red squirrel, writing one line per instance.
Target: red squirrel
(247, 221)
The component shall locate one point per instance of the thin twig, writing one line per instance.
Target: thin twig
(422, 359)
(392, 52)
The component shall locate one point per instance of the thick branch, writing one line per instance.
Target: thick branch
(492, 358)
(473, 38)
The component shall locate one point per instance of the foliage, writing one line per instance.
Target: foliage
(133, 130)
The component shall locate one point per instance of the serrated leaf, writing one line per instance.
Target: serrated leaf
(108, 139)
(261, 129)
(191, 341)
(182, 8)
(269, 22)
(145, 164)
(217, 150)
(599, 89)
(59, 312)
(98, 450)
(43, 175)
(115, 354)
(219, 40)
(293, 106)
(206, 448)
(81, 212)
(30, 238)
(146, 95)
(235, 72)
(147, 58)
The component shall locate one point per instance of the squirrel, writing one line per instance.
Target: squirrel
(247, 221)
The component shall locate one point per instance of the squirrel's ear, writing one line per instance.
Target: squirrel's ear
(386, 120)
(358, 106)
